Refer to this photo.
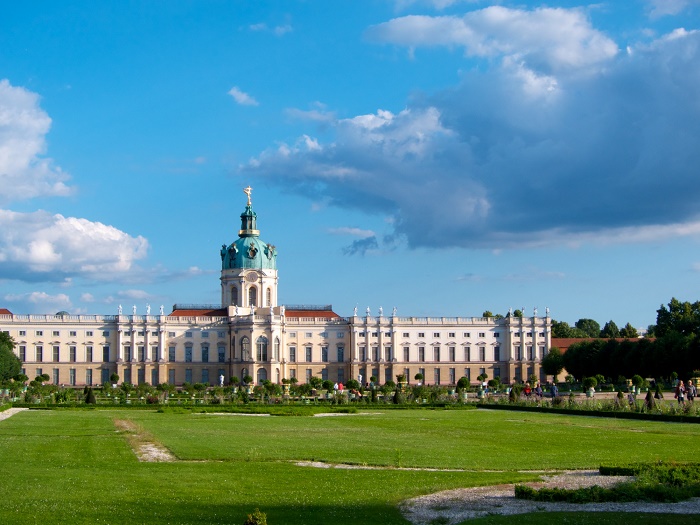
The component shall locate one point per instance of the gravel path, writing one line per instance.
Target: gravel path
(454, 506)
(10, 412)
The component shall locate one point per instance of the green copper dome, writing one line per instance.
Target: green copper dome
(248, 251)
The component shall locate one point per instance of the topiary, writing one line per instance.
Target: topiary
(256, 518)
(90, 397)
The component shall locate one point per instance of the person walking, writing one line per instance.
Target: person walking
(680, 393)
(691, 391)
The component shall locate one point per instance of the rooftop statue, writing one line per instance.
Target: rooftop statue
(248, 191)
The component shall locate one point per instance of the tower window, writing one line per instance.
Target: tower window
(268, 297)
(234, 295)
(252, 296)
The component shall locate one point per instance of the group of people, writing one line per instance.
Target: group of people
(528, 391)
(684, 392)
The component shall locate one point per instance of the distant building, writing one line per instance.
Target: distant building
(249, 333)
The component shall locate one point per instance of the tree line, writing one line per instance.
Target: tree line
(673, 349)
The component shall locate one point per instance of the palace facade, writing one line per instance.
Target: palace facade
(249, 333)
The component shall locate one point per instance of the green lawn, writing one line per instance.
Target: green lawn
(71, 466)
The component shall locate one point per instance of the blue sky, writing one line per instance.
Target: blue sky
(445, 157)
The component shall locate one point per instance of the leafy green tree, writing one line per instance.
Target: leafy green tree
(588, 326)
(518, 313)
(683, 318)
(610, 330)
(487, 313)
(629, 332)
(553, 362)
(561, 329)
(10, 365)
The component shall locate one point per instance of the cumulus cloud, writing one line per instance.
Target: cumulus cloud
(242, 98)
(546, 40)
(497, 162)
(40, 301)
(24, 172)
(134, 294)
(659, 8)
(355, 232)
(43, 246)
(278, 30)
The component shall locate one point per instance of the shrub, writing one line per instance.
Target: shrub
(256, 518)
(90, 397)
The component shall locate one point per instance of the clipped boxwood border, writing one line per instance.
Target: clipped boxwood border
(594, 413)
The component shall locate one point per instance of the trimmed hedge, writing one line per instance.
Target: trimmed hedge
(594, 413)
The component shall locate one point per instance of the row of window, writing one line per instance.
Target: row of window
(452, 335)
(105, 333)
(89, 357)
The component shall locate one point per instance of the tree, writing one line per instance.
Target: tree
(10, 365)
(553, 362)
(518, 313)
(588, 326)
(561, 329)
(683, 318)
(610, 330)
(629, 332)
(487, 313)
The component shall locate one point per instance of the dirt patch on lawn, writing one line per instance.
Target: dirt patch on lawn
(143, 444)
(10, 412)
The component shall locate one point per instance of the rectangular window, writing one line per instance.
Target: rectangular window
(530, 354)
(436, 335)
(482, 353)
(171, 334)
(171, 376)
(221, 334)
(154, 377)
(375, 334)
(205, 335)
(105, 375)
(105, 354)
(127, 353)
(72, 333)
(467, 374)
(188, 375)
(387, 375)
(55, 376)
(205, 355)
(387, 354)
(467, 334)
(421, 334)
(482, 334)
(467, 353)
(436, 353)
(308, 335)
(205, 376)
(421, 354)
(56, 333)
(88, 377)
(39, 371)
(221, 350)
(497, 334)
(171, 354)
(105, 333)
(141, 377)
(39, 333)
(341, 354)
(324, 335)
(188, 354)
(88, 333)
(451, 334)
(324, 374)
(406, 354)
(518, 353)
(292, 334)
(155, 352)
(88, 354)
(308, 375)
(188, 334)
(497, 353)
(140, 333)
(56, 354)
(141, 354)
(453, 353)
(71, 377)
(497, 371)
(436, 376)
(482, 371)
(339, 335)
(127, 332)
(363, 353)
(154, 334)
(452, 376)
(292, 373)
(23, 353)
(324, 354)
(22, 332)
(308, 354)
(341, 375)
(405, 334)
(292, 354)
(375, 353)
(72, 352)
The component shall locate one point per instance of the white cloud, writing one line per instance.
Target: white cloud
(546, 39)
(24, 173)
(244, 99)
(354, 232)
(279, 30)
(41, 299)
(41, 245)
(134, 294)
(659, 8)
(87, 298)
(315, 115)
(510, 158)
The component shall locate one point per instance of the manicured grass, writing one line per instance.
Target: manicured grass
(71, 466)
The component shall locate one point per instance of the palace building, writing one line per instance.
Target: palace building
(249, 333)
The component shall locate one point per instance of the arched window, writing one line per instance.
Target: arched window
(234, 295)
(252, 296)
(245, 348)
(268, 297)
(262, 375)
(277, 349)
(262, 348)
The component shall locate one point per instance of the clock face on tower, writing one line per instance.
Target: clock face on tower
(251, 277)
